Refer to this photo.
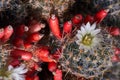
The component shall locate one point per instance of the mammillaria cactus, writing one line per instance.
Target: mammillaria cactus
(91, 55)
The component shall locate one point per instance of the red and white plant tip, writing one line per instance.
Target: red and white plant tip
(8, 31)
(100, 15)
(54, 26)
(52, 66)
(115, 58)
(89, 18)
(34, 37)
(117, 51)
(43, 54)
(114, 31)
(77, 19)
(58, 74)
(67, 27)
(35, 26)
(24, 55)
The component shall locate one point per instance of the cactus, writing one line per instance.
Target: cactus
(113, 71)
(88, 63)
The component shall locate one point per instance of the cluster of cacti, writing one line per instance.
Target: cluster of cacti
(60, 35)
(76, 56)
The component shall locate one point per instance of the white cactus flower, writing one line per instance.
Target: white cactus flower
(15, 73)
(87, 37)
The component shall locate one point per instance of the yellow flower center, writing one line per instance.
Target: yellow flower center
(87, 39)
(4, 72)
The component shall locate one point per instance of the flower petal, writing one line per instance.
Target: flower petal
(93, 26)
(78, 36)
(87, 27)
(83, 31)
(95, 32)
(10, 67)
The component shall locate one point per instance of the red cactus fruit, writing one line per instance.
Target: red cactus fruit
(52, 66)
(24, 55)
(100, 15)
(67, 27)
(89, 18)
(43, 54)
(114, 31)
(115, 58)
(35, 27)
(34, 37)
(54, 26)
(27, 45)
(15, 62)
(8, 31)
(20, 30)
(58, 75)
(117, 51)
(77, 19)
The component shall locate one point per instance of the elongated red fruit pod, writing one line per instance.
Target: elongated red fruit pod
(89, 18)
(35, 26)
(34, 37)
(24, 55)
(114, 31)
(77, 19)
(19, 32)
(52, 66)
(1, 33)
(115, 58)
(100, 15)
(43, 55)
(67, 27)
(54, 26)
(8, 31)
(58, 75)
(117, 51)
(15, 62)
